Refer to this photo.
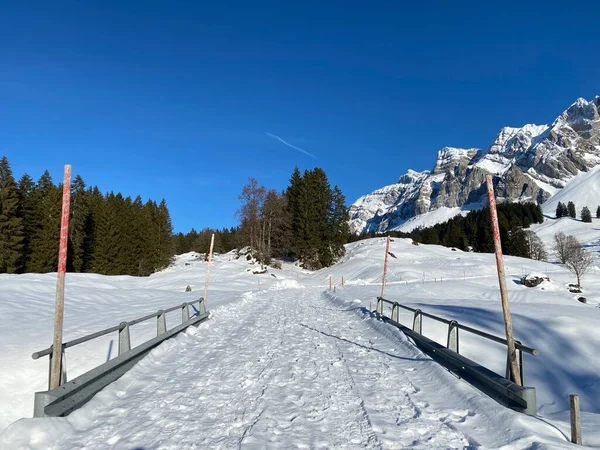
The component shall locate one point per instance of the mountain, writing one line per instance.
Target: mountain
(531, 163)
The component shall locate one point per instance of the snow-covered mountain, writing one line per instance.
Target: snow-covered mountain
(531, 163)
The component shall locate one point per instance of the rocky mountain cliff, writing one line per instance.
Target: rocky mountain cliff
(530, 163)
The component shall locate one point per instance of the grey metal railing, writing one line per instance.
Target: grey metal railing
(459, 363)
(72, 394)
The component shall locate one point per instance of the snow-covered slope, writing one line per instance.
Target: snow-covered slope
(531, 163)
(283, 364)
(582, 190)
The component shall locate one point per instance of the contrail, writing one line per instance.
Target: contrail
(274, 136)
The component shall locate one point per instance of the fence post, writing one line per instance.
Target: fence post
(453, 336)
(395, 312)
(380, 305)
(385, 264)
(161, 323)
(63, 368)
(206, 280)
(512, 354)
(575, 420)
(418, 322)
(201, 305)
(55, 369)
(124, 338)
(185, 313)
(509, 374)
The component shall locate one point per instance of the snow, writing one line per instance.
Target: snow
(493, 166)
(290, 365)
(534, 275)
(583, 190)
(439, 215)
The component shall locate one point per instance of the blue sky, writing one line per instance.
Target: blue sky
(177, 99)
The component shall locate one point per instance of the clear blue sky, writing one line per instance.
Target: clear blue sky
(175, 99)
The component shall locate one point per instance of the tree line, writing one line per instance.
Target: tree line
(226, 239)
(568, 210)
(474, 231)
(108, 233)
(308, 220)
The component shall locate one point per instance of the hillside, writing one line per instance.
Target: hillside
(454, 284)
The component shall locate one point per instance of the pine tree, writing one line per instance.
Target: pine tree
(559, 210)
(598, 212)
(571, 210)
(339, 227)
(78, 226)
(43, 254)
(296, 206)
(106, 243)
(586, 215)
(95, 204)
(11, 224)
(26, 188)
(165, 233)
(518, 244)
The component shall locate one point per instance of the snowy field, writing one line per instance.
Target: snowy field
(291, 365)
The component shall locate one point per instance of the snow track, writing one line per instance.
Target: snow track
(278, 369)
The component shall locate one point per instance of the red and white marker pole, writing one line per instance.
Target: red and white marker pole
(512, 354)
(385, 264)
(212, 243)
(55, 370)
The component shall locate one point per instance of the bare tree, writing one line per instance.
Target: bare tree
(564, 246)
(252, 198)
(537, 250)
(579, 261)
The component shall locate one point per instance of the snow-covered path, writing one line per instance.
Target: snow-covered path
(282, 369)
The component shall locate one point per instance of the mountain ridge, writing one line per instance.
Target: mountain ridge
(528, 163)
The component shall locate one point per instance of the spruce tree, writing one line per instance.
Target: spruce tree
(339, 227)
(106, 239)
(11, 224)
(297, 211)
(26, 188)
(559, 210)
(518, 244)
(78, 225)
(165, 233)
(586, 215)
(571, 210)
(43, 254)
(598, 212)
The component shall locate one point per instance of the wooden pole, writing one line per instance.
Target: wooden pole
(212, 243)
(330, 282)
(512, 354)
(55, 370)
(385, 264)
(342, 280)
(575, 420)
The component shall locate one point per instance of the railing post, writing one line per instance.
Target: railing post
(124, 338)
(380, 305)
(395, 312)
(63, 367)
(201, 305)
(418, 322)
(453, 336)
(185, 313)
(161, 323)
(575, 420)
(509, 374)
